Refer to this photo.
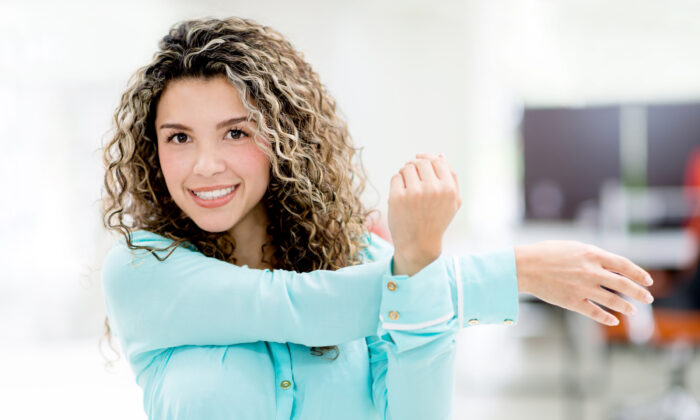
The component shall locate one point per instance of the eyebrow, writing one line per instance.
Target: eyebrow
(219, 126)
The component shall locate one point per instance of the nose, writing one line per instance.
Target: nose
(209, 161)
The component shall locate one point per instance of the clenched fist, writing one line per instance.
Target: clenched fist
(423, 199)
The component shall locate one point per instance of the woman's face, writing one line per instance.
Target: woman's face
(213, 170)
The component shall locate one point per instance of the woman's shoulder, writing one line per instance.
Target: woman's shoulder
(146, 248)
(142, 237)
(147, 241)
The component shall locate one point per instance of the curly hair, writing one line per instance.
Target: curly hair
(315, 186)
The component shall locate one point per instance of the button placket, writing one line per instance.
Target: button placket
(284, 377)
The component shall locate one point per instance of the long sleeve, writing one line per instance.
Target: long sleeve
(412, 363)
(191, 299)
(417, 383)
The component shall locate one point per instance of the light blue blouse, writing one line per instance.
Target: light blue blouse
(211, 340)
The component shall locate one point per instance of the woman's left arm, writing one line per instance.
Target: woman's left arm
(412, 364)
(416, 383)
(412, 360)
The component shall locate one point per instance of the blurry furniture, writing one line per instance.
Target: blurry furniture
(611, 176)
(677, 332)
(674, 323)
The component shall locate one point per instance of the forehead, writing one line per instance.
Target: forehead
(213, 99)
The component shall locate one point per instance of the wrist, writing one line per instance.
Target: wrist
(523, 264)
(410, 264)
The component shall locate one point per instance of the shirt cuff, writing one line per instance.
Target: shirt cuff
(485, 288)
(416, 302)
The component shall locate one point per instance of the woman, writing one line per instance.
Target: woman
(246, 284)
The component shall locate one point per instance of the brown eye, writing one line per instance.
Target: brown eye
(236, 134)
(178, 138)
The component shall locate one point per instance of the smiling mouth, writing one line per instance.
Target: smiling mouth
(214, 194)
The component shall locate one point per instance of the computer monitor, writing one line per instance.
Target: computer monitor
(568, 154)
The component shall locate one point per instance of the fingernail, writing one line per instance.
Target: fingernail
(649, 298)
(441, 155)
(633, 311)
(650, 281)
(613, 321)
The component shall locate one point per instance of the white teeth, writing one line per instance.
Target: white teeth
(210, 195)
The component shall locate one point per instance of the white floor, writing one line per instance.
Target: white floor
(519, 372)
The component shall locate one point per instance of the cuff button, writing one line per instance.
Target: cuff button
(394, 315)
(391, 286)
(473, 322)
(508, 321)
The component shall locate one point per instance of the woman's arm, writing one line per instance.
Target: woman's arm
(573, 275)
(191, 299)
(416, 383)
(412, 367)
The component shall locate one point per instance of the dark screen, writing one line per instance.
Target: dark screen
(673, 131)
(569, 153)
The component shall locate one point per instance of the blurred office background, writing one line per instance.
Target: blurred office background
(563, 120)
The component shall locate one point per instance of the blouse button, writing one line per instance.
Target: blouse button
(394, 315)
(285, 384)
(508, 321)
(473, 321)
(391, 286)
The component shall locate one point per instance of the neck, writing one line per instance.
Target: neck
(250, 234)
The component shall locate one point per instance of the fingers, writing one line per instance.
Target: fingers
(440, 166)
(397, 184)
(597, 314)
(626, 286)
(625, 267)
(443, 173)
(409, 172)
(426, 172)
(613, 301)
(428, 168)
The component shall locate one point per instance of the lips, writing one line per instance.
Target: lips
(215, 187)
(213, 202)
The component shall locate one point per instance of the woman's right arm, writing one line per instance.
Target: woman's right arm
(192, 299)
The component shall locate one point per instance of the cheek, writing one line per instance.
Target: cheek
(256, 164)
(172, 169)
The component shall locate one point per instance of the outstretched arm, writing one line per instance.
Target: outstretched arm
(191, 299)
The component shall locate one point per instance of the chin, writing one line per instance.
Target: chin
(213, 227)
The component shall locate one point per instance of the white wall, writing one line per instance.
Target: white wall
(410, 76)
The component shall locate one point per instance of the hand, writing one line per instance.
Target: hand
(572, 275)
(423, 199)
